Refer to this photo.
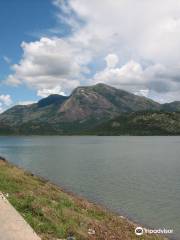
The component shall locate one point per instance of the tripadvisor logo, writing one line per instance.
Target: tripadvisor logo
(139, 231)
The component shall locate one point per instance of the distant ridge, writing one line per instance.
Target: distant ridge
(81, 112)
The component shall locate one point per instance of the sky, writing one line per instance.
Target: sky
(52, 46)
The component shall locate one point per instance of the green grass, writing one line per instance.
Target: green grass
(55, 214)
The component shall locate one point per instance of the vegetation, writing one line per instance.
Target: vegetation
(142, 123)
(55, 214)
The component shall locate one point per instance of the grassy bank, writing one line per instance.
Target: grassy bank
(54, 214)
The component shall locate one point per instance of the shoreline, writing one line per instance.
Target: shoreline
(126, 224)
(90, 135)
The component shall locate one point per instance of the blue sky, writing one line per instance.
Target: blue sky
(21, 21)
(53, 46)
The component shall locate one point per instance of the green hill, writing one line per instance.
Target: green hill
(141, 123)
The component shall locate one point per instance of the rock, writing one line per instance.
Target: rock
(91, 231)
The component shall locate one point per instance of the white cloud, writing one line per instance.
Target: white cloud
(5, 99)
(144, 92)
(111, 60)
(129, 76)
(66, 15)
(26, 102)
(49, 63)
(154, 81)
(5, 102)
(149, 29)
(146, 31)
(1, 109)
(118, 31)
(47, 92)
(7, 59)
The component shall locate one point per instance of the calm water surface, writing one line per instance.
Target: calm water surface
(135, 176)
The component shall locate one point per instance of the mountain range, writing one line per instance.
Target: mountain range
(98, 109)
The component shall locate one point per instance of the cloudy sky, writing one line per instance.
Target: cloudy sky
(53, 46)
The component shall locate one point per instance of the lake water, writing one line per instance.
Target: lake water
(138, 177)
